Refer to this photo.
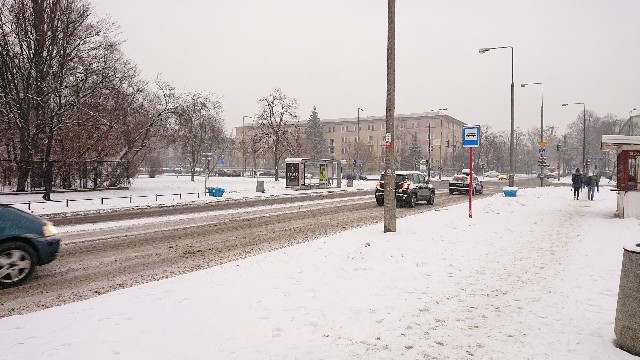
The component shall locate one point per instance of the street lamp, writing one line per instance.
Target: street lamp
(630, 122)
(584, 133)
(440, 155)
(541, 124)
(358, 143)
(429, 144)
(512, 134)
(244, 148)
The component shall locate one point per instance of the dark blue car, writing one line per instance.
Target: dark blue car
(26, 241)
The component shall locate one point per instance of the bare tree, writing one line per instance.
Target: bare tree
(277, 130)
(52, 57)
(198, 127)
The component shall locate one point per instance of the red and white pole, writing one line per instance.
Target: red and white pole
(470, 179)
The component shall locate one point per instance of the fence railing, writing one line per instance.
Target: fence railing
(102, 199)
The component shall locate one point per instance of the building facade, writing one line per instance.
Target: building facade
(438, 135)
(362, 140)
(631, 127)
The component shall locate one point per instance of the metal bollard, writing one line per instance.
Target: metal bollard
(101, 201)
(627, 326)
(67, 202)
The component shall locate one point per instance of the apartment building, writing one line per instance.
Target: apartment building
(442, 133)
(433, 129)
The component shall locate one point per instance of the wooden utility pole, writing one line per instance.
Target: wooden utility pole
(389, 171)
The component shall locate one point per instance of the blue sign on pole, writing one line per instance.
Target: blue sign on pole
(471, 136)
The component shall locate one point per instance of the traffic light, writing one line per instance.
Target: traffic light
(447, 143)
(354, 162)
(558, 147)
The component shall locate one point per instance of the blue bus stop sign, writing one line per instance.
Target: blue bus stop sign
(471, 136)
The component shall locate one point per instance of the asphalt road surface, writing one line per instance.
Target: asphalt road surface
(107, 251)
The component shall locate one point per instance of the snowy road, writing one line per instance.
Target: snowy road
(137, 246)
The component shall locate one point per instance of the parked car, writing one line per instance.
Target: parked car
(492, 174)
(503, 177)
(460, 184)
(353, 176)
(26, 241)
(222, 172)
(267, 173)
(410, 187)
(551, 175)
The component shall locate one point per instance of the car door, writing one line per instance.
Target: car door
(421, 183)
(477, 184)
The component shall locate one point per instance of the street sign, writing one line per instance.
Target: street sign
(542, 144)
(542, 151)
(471, 136)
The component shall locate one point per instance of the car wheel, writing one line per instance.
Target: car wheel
(17, 263)
(450, 192)
(473, 191)
(432, 198)
(380, 201)
(411, 201)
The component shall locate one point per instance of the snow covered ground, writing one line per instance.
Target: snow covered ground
(530, 277)
(162, 190)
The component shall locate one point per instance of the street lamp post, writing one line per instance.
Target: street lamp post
(512, 134)
(584, 134)
(440, 152)
(541, 125)
(358, 169)
(244, 149)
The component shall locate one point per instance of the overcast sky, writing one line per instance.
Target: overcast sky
(332, 54)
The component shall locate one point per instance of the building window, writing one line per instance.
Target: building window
(331, 142)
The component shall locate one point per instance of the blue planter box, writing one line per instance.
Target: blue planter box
(510, 192)
(215, 191)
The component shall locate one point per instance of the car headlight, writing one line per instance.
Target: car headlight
(49, 230)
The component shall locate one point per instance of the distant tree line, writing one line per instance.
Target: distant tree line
(68, 94)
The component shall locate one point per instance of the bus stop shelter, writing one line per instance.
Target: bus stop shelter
(627, 149)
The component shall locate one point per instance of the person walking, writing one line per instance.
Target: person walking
(48, 181)
(594, 184)
(576, 183)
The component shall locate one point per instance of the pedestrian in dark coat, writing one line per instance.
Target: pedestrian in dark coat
(48, 181)
(576, 183)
